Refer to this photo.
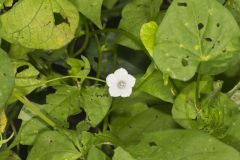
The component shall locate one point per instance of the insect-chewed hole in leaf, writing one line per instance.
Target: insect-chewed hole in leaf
(7, 8)
(213, 46)
(218, 24)
(200, 26)
(208, 39)
(152, 144)
(224, 50)
(59, 19)
(4, 74)
(22, 68)
(185, 61)
(182, 4)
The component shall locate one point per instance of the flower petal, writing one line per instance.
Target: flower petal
(130, 80)
(120, 72)
(114, 91)
(126, 92)
(111, 80)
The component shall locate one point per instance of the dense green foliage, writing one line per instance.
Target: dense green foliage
(56, 54)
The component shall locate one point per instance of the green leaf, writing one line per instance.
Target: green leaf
(109, 3)
(120, 154)
(213, 115)
(40, 24)
(27, 77)
(8, 155)
(52, 145)
(232, 135)
(91, 9)
(134, 15)
(63, 103)
(195, 32)
(147, 35)
(234, 7)
(153, 83)
(95, 154)
(130, 128)
(181, 144)
(96, 103)
(6, 78)
(79, 67)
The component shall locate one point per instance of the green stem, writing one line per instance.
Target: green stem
(100, 56)
(35, 110)
(65, 77)
(125, 33)
(197, 95)
(232, 91)
(86, 40)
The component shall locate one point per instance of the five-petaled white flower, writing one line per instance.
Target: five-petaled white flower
(120, 83)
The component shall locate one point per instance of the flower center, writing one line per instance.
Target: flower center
(121, 84)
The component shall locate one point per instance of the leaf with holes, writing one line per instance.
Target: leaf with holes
(91, 9)
(52, 145)
(6, 78)
(181, 144)
(194, 34)
(40, 24)
(134, 15)
(63, 103)
(27, 77)
(96, 103)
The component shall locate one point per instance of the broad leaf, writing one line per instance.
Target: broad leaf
(134, 15)
(40, 24)
(194, 36)
(181, 144)
(6, 78)
(63, 103)
(91, 9)
(52, 145)
(96, 103)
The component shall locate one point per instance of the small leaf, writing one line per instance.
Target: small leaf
(134, 15)
(96, 154)
(96, 103)
(9, 155)
(3, 121)
(91, 9)
(147, 35)
(40, 24)
(153, 83)
(79, 68)
(6, 78)
(120, 154)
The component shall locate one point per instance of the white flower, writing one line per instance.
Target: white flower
(120, 83)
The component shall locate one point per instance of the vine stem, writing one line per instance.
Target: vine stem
(232, 91)
(65, 77)
(34, 109)
(197, 96)
(86, 40)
